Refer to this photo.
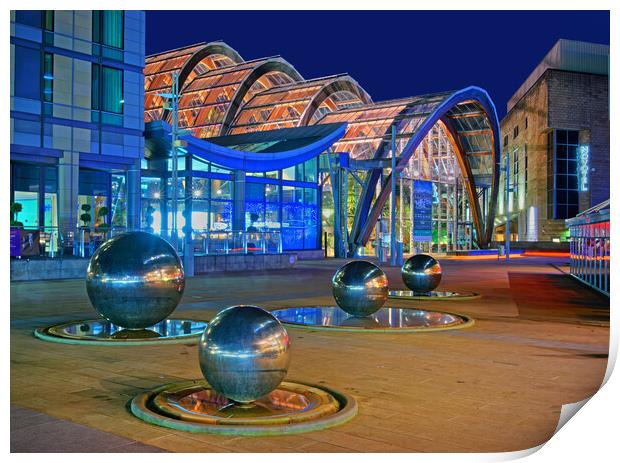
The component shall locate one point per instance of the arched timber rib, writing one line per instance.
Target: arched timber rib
(275, 64)
(442, 111)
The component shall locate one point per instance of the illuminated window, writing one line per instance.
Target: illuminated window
(48, 77)
(107, 89)
(562, 174)
(108, 28)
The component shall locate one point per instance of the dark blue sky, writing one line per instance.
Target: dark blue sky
(391, 54)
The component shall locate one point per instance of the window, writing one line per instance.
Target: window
(48, 77)
(108, 28)
(35, 188)
(28, 17)
(515, 132)
(563, 195)
(525, 168)
(107, 89)
(505, 140)
(27, 73)
(526, 122)
(515, 175)
(48, 20)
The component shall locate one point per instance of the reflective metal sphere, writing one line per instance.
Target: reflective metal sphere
(135, 280)
(360, 288)
(244, 353)
(421, 273)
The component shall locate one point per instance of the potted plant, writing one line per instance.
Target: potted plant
(103, 215)
(16, 208)
(85, 217)
(149, 218)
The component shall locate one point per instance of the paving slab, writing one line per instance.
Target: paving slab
(497, 386)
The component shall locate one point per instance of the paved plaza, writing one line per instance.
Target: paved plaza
(540, 340)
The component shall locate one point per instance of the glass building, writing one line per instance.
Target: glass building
(264, 109)
(77, 120)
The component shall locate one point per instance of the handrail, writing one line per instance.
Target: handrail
(81, 242)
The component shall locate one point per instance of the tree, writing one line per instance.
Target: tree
(85, 217)
(16, 208)
(103, 214)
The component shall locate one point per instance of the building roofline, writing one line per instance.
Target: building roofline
(566, 55)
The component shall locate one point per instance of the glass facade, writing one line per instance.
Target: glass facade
(35, 188)
(64, 155)
(562, 174)
(94, 193)
(285, 201)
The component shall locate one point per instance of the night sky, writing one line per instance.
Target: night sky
(391, 54)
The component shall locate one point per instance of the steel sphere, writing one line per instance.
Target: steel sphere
(360, 288)
(135, 280)
(244, 353)
(421, 273)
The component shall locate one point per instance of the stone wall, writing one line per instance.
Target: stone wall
(581, 102)
(47, 269)
(242, 262)
(53, 269)
(558, 100)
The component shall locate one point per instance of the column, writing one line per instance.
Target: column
(188, 253)
(133, 196)
(238, 201)
(68, 189)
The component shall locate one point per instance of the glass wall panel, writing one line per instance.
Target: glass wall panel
(119, 201)
(151, 213)
(29, 215)
(221, 189)
(200, 188)
(221, 215)
(200, 214)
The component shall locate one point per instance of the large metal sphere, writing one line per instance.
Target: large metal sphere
(135, 280)
(421, 273)
(360, 288)
(244, 353)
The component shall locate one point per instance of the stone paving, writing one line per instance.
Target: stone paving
(540, 341)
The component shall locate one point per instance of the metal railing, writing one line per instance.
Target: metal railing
(208, 242)
(52, 242)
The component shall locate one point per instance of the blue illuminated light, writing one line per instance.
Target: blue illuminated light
(584, 167)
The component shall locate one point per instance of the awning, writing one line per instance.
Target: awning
(251, 152)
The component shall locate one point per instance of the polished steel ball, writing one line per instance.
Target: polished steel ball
(360, 288)
(135, 280)
(421, 273)
(244, 353)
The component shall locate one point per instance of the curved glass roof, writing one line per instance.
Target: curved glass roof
(296, 104)
(189, 62)
(468, 118)
(206, 103)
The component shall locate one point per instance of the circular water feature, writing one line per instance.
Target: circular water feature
(432, 295)
(291, 408)
(383, 320)
(98, 332)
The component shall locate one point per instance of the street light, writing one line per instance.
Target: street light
(171, 103)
